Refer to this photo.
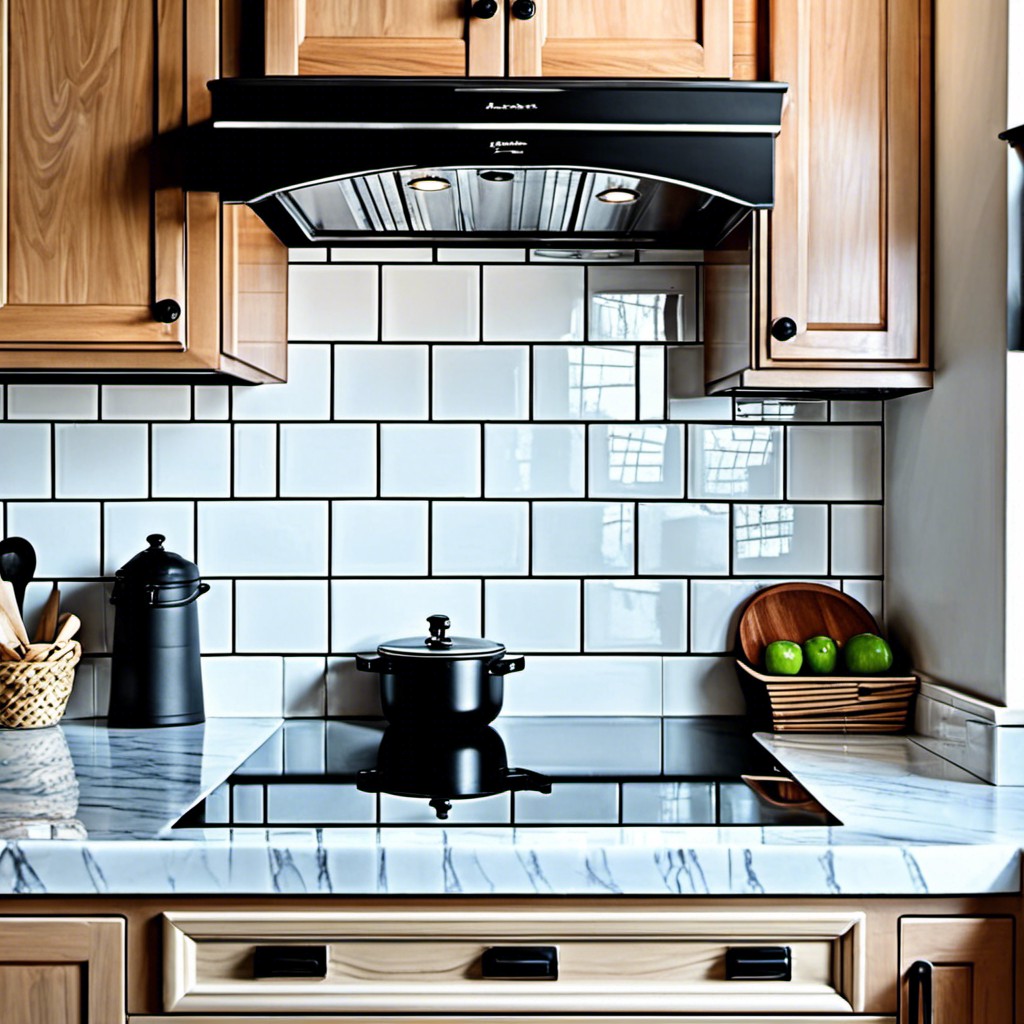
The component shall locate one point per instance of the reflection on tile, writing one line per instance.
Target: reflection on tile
(685, 369)
(319, 804)
(870, 594)
(688, 539)
(533, 303)
(533, 615)
(632, 303)
(781, 410)
(481, 255)
(652, 382)
(570, 803)
(837, 463)
(856, 412)
(533, 461)
(380, 382)
(592, 382)
(380, 254)
(668, 803)
(780, 540)
(597, 746)
(735, 462)
(700, 409)
(480, 538)
(591, 686)
(635, 615)
(857, 540)
(431, 303)
(702, 686)
(481, 382)
(715, 613)
(404, 810)
(379, 538)
(637, 460)
(582, 538)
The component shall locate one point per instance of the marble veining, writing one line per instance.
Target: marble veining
(911, 824)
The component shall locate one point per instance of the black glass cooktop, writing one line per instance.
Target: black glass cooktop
(522, 771)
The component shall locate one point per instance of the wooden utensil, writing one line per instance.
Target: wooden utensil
(46, 629)
(17, 566)
(67, 626)
(9, 606)
(9, 653)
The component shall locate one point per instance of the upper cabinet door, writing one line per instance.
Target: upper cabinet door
(849, 232)
(384, 37)
(613, 39)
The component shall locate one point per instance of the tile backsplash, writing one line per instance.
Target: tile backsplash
(518, 444)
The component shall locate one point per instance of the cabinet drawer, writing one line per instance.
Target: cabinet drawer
(432, 962)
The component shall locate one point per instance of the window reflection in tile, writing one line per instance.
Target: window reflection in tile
(642, 460)
(534, 461)
(643, 304)
(593, 382)
(781, 410)
(684, 538)
(736, 461)
(781, 539)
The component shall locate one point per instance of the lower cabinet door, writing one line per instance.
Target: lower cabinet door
(62, 970)
(962, 967)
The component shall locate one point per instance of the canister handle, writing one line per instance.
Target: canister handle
(152, 588)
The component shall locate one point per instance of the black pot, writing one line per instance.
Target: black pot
(441, 680)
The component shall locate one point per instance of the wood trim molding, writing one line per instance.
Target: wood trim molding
(716, 38)
(284, 31)
(5, 97)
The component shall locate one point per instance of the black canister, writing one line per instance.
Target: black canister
(156, 674)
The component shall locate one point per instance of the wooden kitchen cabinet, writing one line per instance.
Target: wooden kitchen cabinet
(972, 967)
(91, 257)
(62, 970)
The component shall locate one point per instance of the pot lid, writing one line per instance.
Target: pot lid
(155, 566)
(439, 644)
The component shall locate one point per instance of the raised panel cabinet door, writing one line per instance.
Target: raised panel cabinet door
(641, 39)
(384, 37)
(849, 231)
(972, 961)
(62, 970)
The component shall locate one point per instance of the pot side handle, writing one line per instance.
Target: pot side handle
(370, 663)
(507, 664)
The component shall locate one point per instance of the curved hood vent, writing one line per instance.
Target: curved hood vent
(524, 162)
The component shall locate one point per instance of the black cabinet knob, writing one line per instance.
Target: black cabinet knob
(166, 311)
(524, 10)
(484, 9)
(784, 328)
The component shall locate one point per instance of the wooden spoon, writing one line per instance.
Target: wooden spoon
(9, 607)
(67, 626)
(46, 630)
(8, 653)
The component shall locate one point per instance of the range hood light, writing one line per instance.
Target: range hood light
(618, 195)
(496, 176)
(430, 184)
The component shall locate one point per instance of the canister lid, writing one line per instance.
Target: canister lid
(157, 566)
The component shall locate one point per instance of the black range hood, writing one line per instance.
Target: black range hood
(524, 162)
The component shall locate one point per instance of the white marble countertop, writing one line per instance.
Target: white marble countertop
(911, 824)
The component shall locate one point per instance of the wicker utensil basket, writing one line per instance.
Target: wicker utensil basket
(34, 694)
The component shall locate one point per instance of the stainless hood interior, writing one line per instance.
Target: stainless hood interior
(537, 162)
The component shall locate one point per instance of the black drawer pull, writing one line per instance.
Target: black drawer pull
(759, 963)
(289, 962)
(526, 962)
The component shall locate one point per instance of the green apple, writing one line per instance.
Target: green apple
(820, 654)
(783, 658)
(867, 655)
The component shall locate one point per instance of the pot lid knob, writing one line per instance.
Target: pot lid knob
(438, 624)
(156, 541)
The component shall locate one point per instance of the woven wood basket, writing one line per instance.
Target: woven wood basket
(34, 694)
(837, 703)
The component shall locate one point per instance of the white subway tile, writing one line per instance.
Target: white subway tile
(582, 538)
(637, 460)
(191, 460)
(870, 594)
(643, 303)
(583, 686)
(305, 687)
(320, 804)
(534, 461)
(570, 803)
(584, 382)
(351, 692)
(127, 524)
(328, 303)
(380, 254)
(263, 538)
(404, 810)
(702, 686)
(334, 460)
(684, 539)
(668, 803)
(52, 401)
(857, 540)
(249, 687)
(429, 460)
(431, 303)
(780, 540)
(305, 745)
(480, 538)
(255, 460)
(379, 538)
(635, 615)
(212, 402)
(280, 616)
(738, 461)
(835, 463)
(533, 303)
(66, 536)
(487, 382)
(102, 460)
(534, 615)
(684, 368)
(686, 409)
(25, 460)
(306, 396)
(653, 375)
(307, 255)
(82, 702)
(147, 401)
(481, 255)
(247, 804)
(716, 609)
(365, 613)
(101, 685)
(216, 622)
(381, 382)
(856, 412)
(90, 601)
(781, 410)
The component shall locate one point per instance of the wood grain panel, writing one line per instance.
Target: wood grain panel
(40, 994)
(609, 58)
(282, 36)
(80, 121)
(745, 39)
(319, 56)
(400, 19)
(608, 19)
(5, 66)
